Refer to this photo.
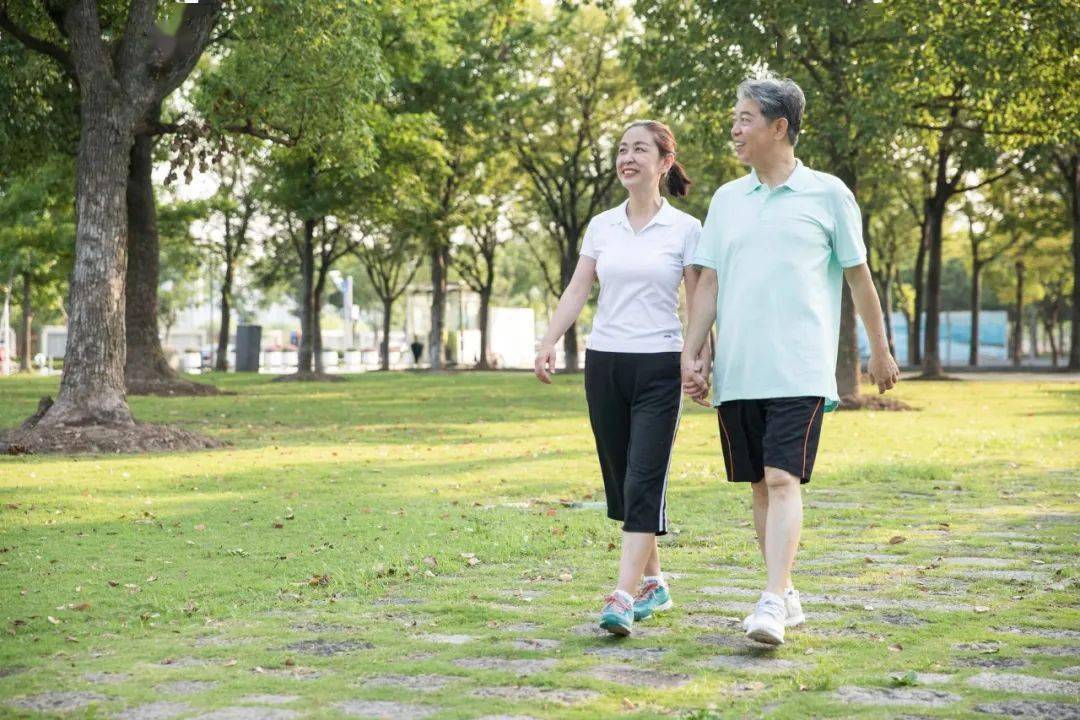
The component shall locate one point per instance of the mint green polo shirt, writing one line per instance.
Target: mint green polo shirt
(779, 257)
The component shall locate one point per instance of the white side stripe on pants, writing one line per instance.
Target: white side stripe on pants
(667, 470)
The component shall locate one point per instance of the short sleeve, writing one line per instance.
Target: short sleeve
(706, 253)
(690, 241)
(588, 244)
(847, 239)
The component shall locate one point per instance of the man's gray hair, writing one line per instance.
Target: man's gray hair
(778, 99)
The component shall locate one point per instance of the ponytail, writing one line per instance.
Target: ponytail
(678, 182)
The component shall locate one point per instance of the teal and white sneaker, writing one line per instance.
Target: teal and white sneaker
(651, 598)
(617, 617)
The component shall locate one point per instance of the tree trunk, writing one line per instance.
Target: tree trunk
(1018, 321)
(26, 351)
(92, 384)
(570, 340)
(307, 299)
(976, 301)
(915, 329)
(1074, 334)
(439, 268)
(485, 307)
(222, 362)
(1034, 354)
(384, 345)
(1049, 322)
(931, 354)
(848, 363)
(316, 325)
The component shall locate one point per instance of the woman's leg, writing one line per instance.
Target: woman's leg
(652, 565)
(761, 511)
(637, 548)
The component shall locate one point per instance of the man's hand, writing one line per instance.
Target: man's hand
(695, 381)
(544, 363)
(883, 370)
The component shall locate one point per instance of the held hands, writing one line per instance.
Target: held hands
(695, 376)
(544, 364)
(883, 370)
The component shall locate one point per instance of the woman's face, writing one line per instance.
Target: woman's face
(639, 163)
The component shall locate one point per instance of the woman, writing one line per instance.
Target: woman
(639, 251)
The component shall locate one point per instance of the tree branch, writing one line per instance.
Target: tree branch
(31, 42)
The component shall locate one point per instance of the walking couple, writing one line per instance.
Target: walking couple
(767, 267)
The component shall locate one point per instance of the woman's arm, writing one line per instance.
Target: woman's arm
(570, 304)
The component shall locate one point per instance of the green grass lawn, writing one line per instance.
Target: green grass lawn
(406, 544)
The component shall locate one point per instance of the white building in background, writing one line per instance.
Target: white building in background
(191, 342)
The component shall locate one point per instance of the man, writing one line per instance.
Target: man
(776, 245)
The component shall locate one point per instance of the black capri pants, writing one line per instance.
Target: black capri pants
(635, 400)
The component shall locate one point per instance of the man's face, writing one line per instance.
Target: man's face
(754, 136)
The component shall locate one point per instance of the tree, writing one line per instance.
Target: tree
(120, 65)
(491, 200)
(1067, 162)
(460, 70)
(36, 236)
(694, 55)
(980, 83)
(563, 131)
(234, 206)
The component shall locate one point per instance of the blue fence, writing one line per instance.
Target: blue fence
(954, 335)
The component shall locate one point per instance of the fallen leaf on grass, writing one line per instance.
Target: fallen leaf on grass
(200, 527)
(431, 562)
(896, 648)
(897, 539)
(319, 580)
(53, 620)
(981, 609)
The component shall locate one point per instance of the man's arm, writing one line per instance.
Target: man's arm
(701, 315)
(882, 367)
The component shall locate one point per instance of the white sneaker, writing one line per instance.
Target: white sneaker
(767, 623)
(792, 607)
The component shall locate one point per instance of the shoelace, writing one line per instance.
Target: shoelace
(773, 608)
(645, 592)
(618, 602)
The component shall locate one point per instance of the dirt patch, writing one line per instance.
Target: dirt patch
(309, 377)
(873, 402)
(328, 648)
(416, 683)
(535, 694)
(161, 710)
(384, 709)
(52, 702)
(1031, 709)
(186, 687)
(32, 438)
(519, 667)
(895, 696)
(177, 387)
(638, 677)
(1014, 682)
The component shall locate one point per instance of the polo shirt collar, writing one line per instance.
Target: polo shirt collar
(664, 216)
(797, 181)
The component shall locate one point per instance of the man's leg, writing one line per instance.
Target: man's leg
(783, 525)
(760, 501)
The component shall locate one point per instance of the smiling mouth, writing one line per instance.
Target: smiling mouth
(628, 172)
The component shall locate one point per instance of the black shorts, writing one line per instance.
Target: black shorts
(775, 432)
(634, 405)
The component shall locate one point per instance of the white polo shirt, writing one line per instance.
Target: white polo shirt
(638, 309)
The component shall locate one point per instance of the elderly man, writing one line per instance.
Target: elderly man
(776, 245)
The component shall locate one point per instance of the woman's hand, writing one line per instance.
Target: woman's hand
(544, 364)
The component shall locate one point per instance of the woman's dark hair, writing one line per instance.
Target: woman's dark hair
(677, 181)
